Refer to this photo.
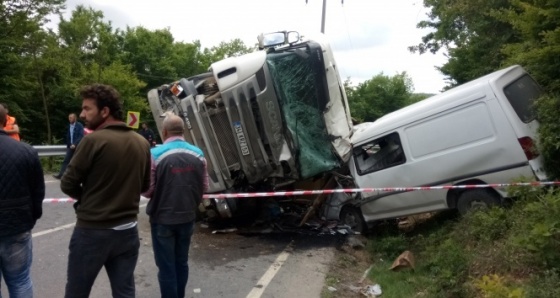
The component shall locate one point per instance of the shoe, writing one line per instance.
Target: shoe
(57, 176)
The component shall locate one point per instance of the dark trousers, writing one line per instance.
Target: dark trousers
(66, 161)
(91, 249)
(171, 252)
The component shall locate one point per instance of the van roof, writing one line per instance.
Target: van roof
(428, 106)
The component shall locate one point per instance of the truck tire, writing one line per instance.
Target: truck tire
(352, 217)
(476, 199)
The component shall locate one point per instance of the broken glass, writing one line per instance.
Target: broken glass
(296, 82)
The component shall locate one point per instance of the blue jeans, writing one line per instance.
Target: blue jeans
(171, 252)
(15, 264)
(91, 249)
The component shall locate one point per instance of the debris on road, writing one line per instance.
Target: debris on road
(371, 291)
(404, 260)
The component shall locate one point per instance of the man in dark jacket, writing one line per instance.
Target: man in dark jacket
(178, 181)
(148, 134)
(109, 170)
(74, 135)
(22, 189)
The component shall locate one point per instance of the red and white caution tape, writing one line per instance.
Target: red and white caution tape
(371, 189)
(345, 190)
(69, 200)
(60, 200)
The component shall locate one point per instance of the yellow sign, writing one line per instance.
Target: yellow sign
(132, 119)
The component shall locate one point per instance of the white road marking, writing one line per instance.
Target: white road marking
(265, 280)
(61, 228)
(52, 230)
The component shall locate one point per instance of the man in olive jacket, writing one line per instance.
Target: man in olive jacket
(109, 170)
(22, 189)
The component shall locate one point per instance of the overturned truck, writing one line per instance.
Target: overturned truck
(274, 119)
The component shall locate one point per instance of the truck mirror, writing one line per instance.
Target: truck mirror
(293, 37)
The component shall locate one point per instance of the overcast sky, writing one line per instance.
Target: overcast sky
(367, 36)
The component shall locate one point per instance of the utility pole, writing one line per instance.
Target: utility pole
(323, 17)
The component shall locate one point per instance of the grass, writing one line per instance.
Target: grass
(51, 164)
(501, 252)
(396, 284)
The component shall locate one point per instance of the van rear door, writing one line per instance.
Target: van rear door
(517, 93)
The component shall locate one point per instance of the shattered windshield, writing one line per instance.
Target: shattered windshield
(297, 82)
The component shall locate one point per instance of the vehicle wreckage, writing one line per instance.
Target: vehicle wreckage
(274, 119)
(278, 120)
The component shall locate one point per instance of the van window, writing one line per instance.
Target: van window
(521, 94)
(379, 154)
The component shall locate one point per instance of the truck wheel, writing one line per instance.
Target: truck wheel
(476, 199)
(352, 217)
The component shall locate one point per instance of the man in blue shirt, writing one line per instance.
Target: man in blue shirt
(74, 135)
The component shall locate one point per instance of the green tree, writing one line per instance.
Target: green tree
(233, 48)
(187, 59)
(151, 54)
(21, 23)
(378, 96)
(537, 23)
(471, 34)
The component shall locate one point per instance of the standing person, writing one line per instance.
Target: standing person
(10, 126)
(148, 134)
(179, 179)
(74, 135)
(21, 204)
(109, 170)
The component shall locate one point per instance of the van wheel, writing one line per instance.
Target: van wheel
(476, 199)
(352, 217)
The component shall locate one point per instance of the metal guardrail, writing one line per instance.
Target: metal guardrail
(51, 150)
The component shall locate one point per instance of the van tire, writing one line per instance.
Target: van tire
(352, 217)
(476, 199)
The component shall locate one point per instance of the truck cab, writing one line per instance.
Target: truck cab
(264, 120)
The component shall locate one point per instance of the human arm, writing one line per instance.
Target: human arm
(205, 183)
(37, 186)
(78, 133)
(76, 172)
(148, 193)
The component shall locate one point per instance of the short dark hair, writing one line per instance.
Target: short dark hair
(3, 116)
(105, 96)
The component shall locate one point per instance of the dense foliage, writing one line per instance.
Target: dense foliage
(380, 95)
(483, 36)
(41, 70)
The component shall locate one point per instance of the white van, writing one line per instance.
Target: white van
(481, 132)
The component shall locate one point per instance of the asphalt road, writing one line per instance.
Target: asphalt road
(221, 265)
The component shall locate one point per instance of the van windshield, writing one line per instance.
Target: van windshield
(522, 94)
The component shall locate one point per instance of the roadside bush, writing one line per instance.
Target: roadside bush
(447, 263)
(495, 286)
(487, 225)
(548, 109)
(51, 164)
(390, 246)
(544, 285)
(539, 232)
